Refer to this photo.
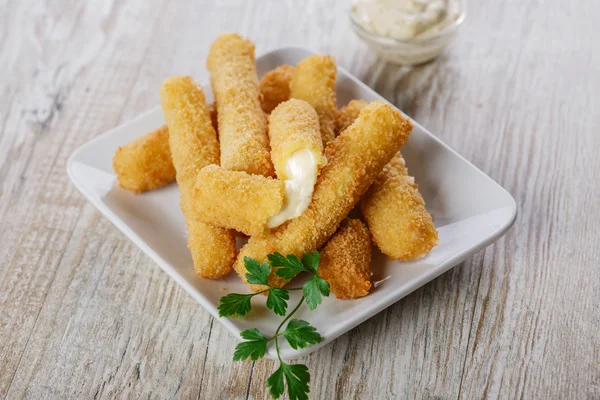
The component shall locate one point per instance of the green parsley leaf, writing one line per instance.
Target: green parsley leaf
(297, 378)
(275, 383)
(254, 348)
(289, 266)
(234, 303)
(311, 261)
(313, 289)
(258, 274)
(277, 301)
(252, 334)
(300, 334)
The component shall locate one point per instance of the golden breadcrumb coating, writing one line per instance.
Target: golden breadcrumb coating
(242, 123)
(395, 212)
(237, 200)
(393, 207)
(194, 145)
(354, 159)
(345, 116)
(145, 163)
(314, 82)
(346, 260)
(293, 126)
(275, 87)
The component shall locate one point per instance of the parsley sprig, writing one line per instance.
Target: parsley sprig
(298, 333)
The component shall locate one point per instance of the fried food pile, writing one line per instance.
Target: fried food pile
(276, 160)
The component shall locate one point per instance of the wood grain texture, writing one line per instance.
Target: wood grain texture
(85, 314)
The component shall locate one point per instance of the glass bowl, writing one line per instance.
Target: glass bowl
(412, 51)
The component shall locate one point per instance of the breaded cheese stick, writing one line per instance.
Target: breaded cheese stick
(393, 207)
(145, 163)
(355, 158)
(395, 212)
(314, 82)
(297, 154)
(194, 145)
(346, 115)
(294, 126)
(346, 260)
(237, 200)
(242, 123)
(275, 87)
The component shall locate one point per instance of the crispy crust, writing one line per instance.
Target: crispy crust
(396, 214)
(242, 124)
(236, 200)
(346, 115)
(145, 163)
(314, 82)
(346, 260)
(275, 87)
(355, 158)
(194, 145)
(294, 125)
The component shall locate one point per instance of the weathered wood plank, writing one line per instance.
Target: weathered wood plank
(83, 313)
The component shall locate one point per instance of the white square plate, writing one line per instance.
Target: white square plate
(469, 209)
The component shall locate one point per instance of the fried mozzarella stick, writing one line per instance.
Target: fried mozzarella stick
(237, 200)
(314, 82)
(194, 145)
(346, 115)
(242, 123)
(297, 154)
(145, 163)
(275, 87)
(395, 212)
(355, 159)
(346, 260)
(393, 207)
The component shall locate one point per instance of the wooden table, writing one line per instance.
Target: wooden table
(85, 314)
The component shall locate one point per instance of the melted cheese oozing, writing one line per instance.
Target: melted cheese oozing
(301, 169)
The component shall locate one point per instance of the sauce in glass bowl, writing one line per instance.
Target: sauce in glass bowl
(407, 31)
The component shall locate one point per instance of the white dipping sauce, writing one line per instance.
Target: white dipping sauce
(301, 169)
(402, 19)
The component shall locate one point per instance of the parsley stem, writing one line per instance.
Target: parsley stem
(277, 348)
(295, 288)
(282, 323)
